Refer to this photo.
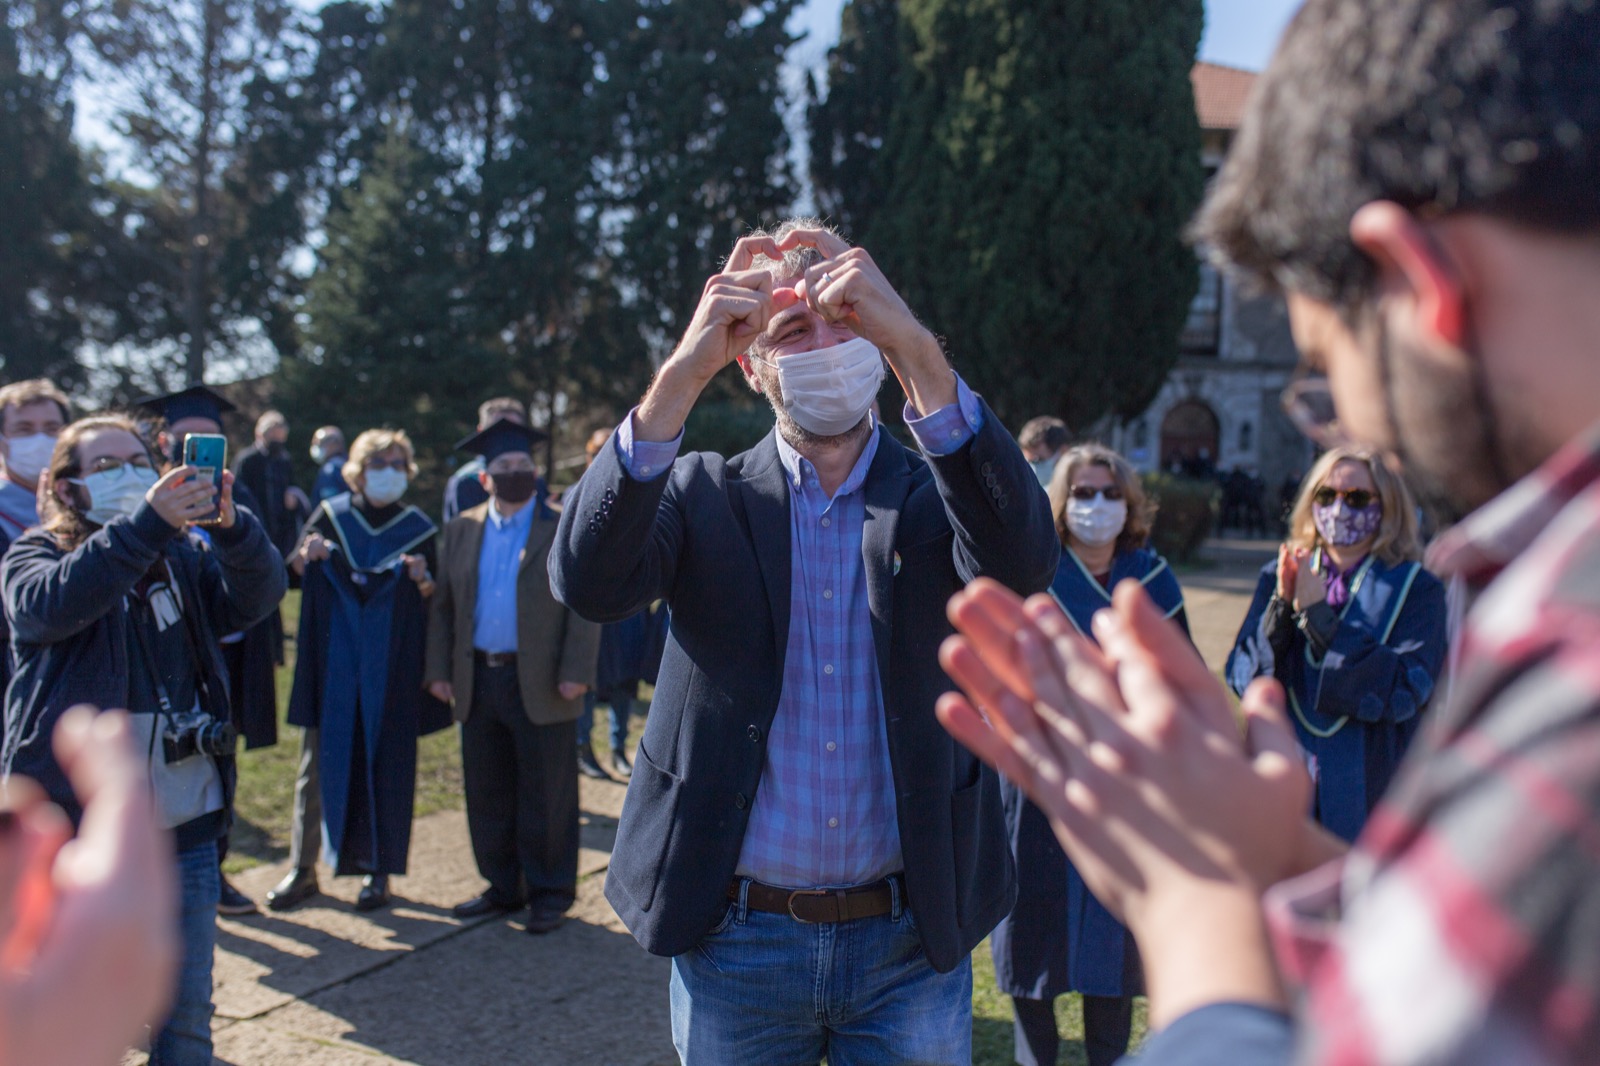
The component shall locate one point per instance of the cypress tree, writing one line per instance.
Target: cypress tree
(1041, 161)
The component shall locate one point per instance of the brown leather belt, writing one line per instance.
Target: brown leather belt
(495, 659)
(816, 906)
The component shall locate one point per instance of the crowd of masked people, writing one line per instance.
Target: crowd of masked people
(1355, 856)
(134, 580)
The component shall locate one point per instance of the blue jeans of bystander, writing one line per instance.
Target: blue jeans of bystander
(764, 988)
(185, 1039)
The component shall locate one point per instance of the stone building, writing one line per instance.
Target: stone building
(1220, 405)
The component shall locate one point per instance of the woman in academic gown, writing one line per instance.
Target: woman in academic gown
(1058, 938)
(368, 572)
(1353, 626)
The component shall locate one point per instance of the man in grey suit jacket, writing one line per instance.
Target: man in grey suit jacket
(800, 835)
(515, 664)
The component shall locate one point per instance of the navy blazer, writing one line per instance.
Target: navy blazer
(713, 538)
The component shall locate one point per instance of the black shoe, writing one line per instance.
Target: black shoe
(297, 887)
(588, 767)
(544, 918)
(374, 893)
(233, 902)
(619, 763)
(488, 903)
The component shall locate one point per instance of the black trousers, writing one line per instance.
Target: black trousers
(1107, 1025)
(522, 794)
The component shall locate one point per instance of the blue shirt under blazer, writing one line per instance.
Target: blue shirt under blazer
(713, 539)
(1059, 938)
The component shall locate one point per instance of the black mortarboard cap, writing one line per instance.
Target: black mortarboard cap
(196, 401)
(502, 437)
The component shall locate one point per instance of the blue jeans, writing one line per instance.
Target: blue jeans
(185, 1039)
(764, 988)
(621, 707)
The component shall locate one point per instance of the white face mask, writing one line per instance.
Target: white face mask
(829, 391)
(385, 486)
(28, 456)
(1097, 522)
(113, 493)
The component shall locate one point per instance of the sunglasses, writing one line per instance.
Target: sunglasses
(1360, 499)
(386, 464)
(1089, 492)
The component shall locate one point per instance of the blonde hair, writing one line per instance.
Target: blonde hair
(1397, 540)
(1141, 508)
(370, 443)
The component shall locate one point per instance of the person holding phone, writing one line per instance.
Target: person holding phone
(114, 601)
(1353, 626)
(252, 656)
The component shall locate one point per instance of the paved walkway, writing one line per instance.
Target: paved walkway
(325, 986)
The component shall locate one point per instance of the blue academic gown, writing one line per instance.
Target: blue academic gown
(1059, 938)
(1356, 709)
(358, 679)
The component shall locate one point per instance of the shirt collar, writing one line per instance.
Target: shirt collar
(519, 520)
(798, 466)
(1488, 540)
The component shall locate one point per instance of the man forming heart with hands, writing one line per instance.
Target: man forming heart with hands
(797, 819)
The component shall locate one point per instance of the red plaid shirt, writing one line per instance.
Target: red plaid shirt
(1465, 926)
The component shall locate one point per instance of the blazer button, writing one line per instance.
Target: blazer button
(754, 734)
(987, 470)
(1001, 501)
(740, 802)
(997, 492)
(609, 496)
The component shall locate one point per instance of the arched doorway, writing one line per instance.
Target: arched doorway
(1190, 434)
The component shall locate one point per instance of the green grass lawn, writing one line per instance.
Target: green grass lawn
(266, 801)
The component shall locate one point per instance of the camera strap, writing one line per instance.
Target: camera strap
(137, 624)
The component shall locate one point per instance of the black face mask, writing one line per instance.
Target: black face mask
(515, 487)
(276, 448)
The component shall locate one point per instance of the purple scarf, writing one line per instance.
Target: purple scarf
(1339, 581)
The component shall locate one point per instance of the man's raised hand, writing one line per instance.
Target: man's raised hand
(848, 288)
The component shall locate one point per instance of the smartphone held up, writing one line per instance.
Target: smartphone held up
(208, 454)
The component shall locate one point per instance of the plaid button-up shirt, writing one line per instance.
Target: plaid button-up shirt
(1464, 928)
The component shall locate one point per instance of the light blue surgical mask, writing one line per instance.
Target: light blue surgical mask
(385, 486)
(1042, 469)
(116, 492)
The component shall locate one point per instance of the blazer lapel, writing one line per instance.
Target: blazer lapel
(763, 494)
(888, 481)
(467, 564)
(540, 533)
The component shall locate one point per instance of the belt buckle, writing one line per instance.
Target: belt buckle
(806, 892)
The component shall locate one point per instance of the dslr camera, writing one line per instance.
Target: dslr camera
(197, 733)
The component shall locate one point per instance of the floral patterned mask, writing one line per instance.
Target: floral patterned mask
(1342, 525)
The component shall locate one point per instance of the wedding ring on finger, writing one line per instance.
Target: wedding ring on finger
(827, 279)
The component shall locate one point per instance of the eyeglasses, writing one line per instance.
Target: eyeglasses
(1086, 493)
(110, 464)
(1308, 401)
(385, 464)
(1360, 499)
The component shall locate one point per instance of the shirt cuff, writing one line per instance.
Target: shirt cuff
(645, 460)
(944, 431)
(1222, 1034)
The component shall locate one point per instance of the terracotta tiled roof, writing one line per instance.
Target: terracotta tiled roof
(1220, 94)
